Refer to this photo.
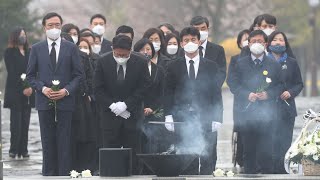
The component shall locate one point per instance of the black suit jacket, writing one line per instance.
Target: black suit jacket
(107, 90)
(16, 65)
(68, 71)
(181, 93)
(105, 46)
(154, 97)
(248, 78)
(291, 77)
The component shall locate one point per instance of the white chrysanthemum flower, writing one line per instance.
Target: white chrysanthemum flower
(56, 82)
(23, 76)
(294, 151)
(315, 157)
(74, 174)
(268, 80)
(218, 173)
(86, 173)
(310, 149)
(230, 174)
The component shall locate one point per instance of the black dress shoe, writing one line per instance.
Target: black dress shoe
(12, 155)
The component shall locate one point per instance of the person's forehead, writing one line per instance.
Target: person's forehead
(259, 36)
(54, 19)
(97, 20)
(189, 36)
(200, 25)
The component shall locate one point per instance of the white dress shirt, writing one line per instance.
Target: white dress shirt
(254, 58)
(204, 46)
(196, 60)
(57, 46)
(124, 66)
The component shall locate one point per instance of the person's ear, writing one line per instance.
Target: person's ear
(181, 44)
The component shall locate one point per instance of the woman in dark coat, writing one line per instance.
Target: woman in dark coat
(293, 85)
(18, 94)
(153, 104)
(242, 42)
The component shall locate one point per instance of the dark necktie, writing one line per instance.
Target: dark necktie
(191, 70)
(257, 63)
(200, 51)
(120, 73)
(53, 55)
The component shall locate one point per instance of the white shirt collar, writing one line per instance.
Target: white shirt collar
(260, 57)
(58, 42)
(204, 44)
(196, 59)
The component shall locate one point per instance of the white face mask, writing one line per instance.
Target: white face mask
(75, 39)
(191, 47)
(121, 61)
(257, 48)
(53, 33)
(245, 43)
(96, 48)
(98, 29)
(204, 35)
(268, 31)
(157, 46)
(85, 51)
(172, 49)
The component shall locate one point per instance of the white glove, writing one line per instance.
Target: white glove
(112, 107)
(126, 114)
(120, 107)
(215, 126)
(169, 126)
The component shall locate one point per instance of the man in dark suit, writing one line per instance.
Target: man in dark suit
(98, 25)
(257, 84)
(192, 97)
(121, 82)
(55, 59)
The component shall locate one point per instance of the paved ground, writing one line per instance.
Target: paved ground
(31, 168)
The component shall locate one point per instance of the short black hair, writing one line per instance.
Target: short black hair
(87, 34)
(199, 20)
(269, 19)
(258, 32)
(241, 33)
(167, 25)
(141, 43)
(256, 22)
(67, 28)
(158, 31)
(189, 30)
(86, 29)
(66, 36)
(98, 16)
(125, 29)
(273, 34)
(50, 15)
(122, 42)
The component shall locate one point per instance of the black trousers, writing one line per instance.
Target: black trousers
(121, 136)
(257, 147)
(56, 145)
(19, 128)
(282, 142)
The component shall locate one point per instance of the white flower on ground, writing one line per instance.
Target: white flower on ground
(315, 157)
(86, 173)
(23, 76)
(56, 82)
(74, 174)
(268, 80)
(230, 174)
(310, 149)
(218, 173)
